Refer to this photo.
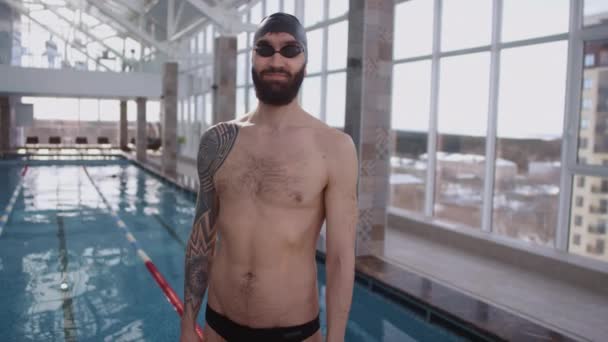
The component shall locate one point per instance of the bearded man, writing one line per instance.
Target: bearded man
(268, 180)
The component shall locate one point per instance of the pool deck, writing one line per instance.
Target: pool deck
(506, 300)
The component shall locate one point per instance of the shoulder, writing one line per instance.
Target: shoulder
(215, 144)
(226, 129)
(342, 142)
(219, 135)
(339, 150)
(337, 143)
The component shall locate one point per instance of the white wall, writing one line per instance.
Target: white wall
(72, 83)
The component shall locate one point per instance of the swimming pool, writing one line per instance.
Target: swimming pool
(69, 273)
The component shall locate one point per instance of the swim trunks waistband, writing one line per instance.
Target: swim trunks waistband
(235, 332)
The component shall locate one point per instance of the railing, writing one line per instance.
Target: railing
(151, 64)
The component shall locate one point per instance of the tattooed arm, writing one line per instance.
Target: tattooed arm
(214, 147)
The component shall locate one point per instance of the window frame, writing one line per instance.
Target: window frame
(576, 36)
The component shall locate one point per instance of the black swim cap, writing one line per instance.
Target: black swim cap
(283, 22)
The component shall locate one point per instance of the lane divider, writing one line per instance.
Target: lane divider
(11, 203)
(170, 294)
(70, 332)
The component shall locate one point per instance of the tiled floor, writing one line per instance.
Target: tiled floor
(566, 308)
(460, 309)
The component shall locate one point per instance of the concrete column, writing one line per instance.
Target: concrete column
(224, 83)
(368, 120)
(141, 139)
(123, 127)
(7, 18)
(5, 123)
(169, 119)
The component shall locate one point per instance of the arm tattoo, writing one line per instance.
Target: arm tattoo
(215, 145)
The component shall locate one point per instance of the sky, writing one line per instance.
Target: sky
(532, 79)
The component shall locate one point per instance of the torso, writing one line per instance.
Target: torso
(270, 190)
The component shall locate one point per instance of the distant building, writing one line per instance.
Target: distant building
(589, 208)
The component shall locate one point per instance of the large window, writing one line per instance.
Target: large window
(324, 88)
(465, 31)
(526, 191)
(462, 127)
(74, 109)
(337, 45)
(72, 118)
(524, 19)
(337, 8)
(410, 122)
(272, 6)
(195, 55)
(413, 29)
(315, 53)
(208, 109)
(240, 102)
(109, 110)
(336, 99)
(311, 95)
(313, 12)
(483, 102)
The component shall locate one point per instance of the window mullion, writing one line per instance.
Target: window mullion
(490, 160)
(571, 119)
(324, 54)
(429, 199)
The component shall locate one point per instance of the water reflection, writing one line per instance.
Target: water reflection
(97, 273)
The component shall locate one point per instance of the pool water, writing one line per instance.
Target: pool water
(67, 273)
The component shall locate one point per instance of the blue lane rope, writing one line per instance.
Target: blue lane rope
(11, 203)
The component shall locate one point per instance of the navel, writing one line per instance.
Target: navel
(248, 281)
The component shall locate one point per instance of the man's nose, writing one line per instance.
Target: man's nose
(277, 60)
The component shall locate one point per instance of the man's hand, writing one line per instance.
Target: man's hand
(188, 333)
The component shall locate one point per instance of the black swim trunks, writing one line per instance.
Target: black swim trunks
(234, 332)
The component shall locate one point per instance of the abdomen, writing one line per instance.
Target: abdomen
(281, 294)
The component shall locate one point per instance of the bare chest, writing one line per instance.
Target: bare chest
(278, 175)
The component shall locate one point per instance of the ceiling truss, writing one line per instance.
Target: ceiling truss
(22, 10)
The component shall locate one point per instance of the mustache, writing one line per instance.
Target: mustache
(272, 70)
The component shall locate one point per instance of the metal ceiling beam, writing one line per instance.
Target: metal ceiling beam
(129, 4)
(178, 17)
(228, 20)
(85, 31)
(170, 18)
(132, 28)
(76, 5)
(199, 22)
(150, 6)
(188, 29)
(139, 9)
(19, 8)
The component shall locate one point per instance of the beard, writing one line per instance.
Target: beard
(277, 92)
